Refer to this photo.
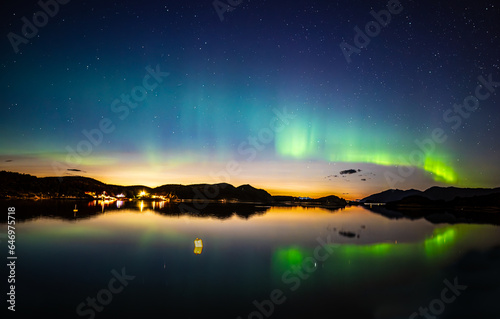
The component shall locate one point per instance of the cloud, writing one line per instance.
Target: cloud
(75, 170)
(349, 171)
(365, 175)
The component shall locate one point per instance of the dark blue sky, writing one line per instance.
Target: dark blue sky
(267, 90)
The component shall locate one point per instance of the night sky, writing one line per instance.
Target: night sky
(269, 93)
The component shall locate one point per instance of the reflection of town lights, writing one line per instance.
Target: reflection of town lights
(142, 205)
(119, 204)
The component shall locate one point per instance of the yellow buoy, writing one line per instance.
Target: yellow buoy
(198, 246)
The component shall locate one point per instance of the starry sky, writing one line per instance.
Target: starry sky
(305, 98)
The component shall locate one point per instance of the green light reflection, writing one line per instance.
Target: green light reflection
(357, 263)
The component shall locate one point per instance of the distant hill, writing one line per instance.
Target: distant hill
(24, 185)
(450, 193)
(282, 198)
(214, 191)
(416, 200)
(434, 193)
(390, 195)
(19, 185)
(491, 200)
(16, 185)
(332, 200)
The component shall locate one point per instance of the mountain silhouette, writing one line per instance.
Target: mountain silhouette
(434, 193)
(18, 185)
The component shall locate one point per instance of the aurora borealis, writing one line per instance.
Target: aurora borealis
(163, 92)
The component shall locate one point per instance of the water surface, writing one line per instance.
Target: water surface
(322, 263)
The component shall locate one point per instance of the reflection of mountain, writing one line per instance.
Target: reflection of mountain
(390, 213)
(63, 209)
(440, 204)
(219, 211)
(490, 202)
(457, 211)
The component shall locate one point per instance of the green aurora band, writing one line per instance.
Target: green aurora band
(310, 138)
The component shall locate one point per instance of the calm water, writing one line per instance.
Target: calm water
(300, 257)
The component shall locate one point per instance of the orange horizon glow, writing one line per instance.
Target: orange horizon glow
(298, 190)
(292, 178)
